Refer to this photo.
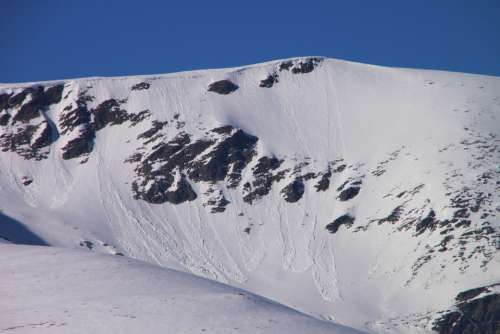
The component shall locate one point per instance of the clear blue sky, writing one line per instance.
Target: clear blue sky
(45, 40)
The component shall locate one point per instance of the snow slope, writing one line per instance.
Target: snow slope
(54, 290)
(355, 193)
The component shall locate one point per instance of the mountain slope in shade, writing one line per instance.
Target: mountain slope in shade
(53, 290)
(361, 194)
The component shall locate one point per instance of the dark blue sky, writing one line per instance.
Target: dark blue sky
(44, 40)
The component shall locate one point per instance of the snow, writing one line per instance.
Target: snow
(54, 290)
(360, 113)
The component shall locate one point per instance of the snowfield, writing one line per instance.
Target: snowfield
(55, 290)
(361, 195)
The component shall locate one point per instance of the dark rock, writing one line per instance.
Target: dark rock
(445, 242)
(160, 192)
(4, 119)
(45, 136)
(87, 243)
(306, 66)
(18, 98)
(346, 220)
(81, 145)
(264, 175)
(164, 151)
(223, 87)
(324, 183)
(470, 294)
(20, 141)
(428, 223)
(108, 113)
(157, 126)
(285, 66)
(294, 191)
(394, 216)
(80, 118)
(227, 129)
(266, 164)
(269, 81)
(139, 117)
(26, 180)
(136, 157)
(463, 223)
(22, 137)
(227, 158)
(349, 193)
(474, 316)
(235, 150)
(141, 86)
(401, 194)
(53, 95)
(27, 112)
(462, 213)
(40, 100)
(218, 205)
(69, 120)
(308, 176)
(4, 101)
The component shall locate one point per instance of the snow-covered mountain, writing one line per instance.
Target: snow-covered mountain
(79, 292)
(364, 195)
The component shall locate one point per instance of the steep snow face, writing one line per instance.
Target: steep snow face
(356, 193)
(81, 292)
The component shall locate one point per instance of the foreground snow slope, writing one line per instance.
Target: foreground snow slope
(54, 290)
(356, 193)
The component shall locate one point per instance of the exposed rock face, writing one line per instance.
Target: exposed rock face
(81, 145)
(141, 86)
(227, 158)
(27, 131)
(394, 216)
(223, 87)
(429, 222)
(285, 66)
(301, 66)
(77, 121)
(324, 182)
(306, 66)
(226, 154)
(349, 193)
(215, 199)
(270, 80)
(4, 118)
(294, 66)
(473, 315)
(73, 117)
(264, 176)
(346, 220)
(83, 123)
(26, 180)
(166, 190)
(150, 133)
(40, 99)
(139, 117)
(44, 136)
(109, 113)
(294, 191)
